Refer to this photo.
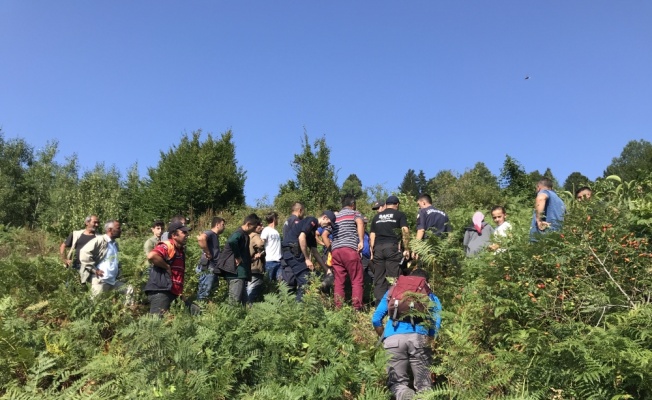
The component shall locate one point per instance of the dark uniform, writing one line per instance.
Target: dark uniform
(292, 254)
(433, 220)
(386, 226)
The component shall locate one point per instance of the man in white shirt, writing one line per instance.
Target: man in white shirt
(272, 240)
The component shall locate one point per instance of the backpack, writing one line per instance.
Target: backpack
(408, 299)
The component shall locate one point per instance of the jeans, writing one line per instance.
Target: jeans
(273, 269)
(254, 288)
(160, 302)
(208, 282)
(237, 291)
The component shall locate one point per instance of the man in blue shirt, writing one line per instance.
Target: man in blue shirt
(408, 346)
(549, 210)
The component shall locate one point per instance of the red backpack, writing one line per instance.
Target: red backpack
(408, 299)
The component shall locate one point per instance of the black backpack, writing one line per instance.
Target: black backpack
(408, 299)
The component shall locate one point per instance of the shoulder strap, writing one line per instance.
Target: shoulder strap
(172, 251)
(75, 236)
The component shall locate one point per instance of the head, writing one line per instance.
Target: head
(379, 206)
(420, 273)
(271, 218)
(92, 223)
(259, 228)
(583, 193)
(157, 228)
(327, 218)
(179, 218)
(250, 223)
(298, 210)
(499, 215)
(112, 229)
(544, 184)
(217, 224)
(424, 200)
(179, 233)
(392, 202)
(348, 202)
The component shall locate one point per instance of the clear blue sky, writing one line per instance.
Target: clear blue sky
(392, 85)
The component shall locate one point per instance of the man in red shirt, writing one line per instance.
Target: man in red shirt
(168, 261)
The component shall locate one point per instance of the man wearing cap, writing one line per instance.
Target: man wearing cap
(168, 261)
(299, 245)
(348, 242)
(430, 218)
(100, 264)
(389, 240)
(378, 206)
(177, 218)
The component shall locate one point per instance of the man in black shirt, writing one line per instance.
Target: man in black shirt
(294, 218)
(388, 229)
(76, 240)
(298, 245)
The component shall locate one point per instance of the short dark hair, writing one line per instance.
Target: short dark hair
(158, 222)
(426, 197)
(271, 216)
(420, 272)
(545, 182)
(216, 220)
(501, 208)
(348, 201)
(179, 218)
(583, 188)
(251, 219)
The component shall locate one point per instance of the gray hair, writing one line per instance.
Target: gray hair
(109, 224)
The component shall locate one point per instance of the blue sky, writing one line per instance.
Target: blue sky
(394, 85)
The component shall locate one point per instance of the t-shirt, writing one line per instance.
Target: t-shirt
(272, 244)
(81, 241)
(387, 226)
(109, 265)
(345, 229)
(291, 221)
(213, 244)
(178, 266)
(434, 220)
(308, 226)
(502, 229)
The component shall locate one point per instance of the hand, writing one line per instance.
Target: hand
(360, 246)
(310, 265)
(67, 262)
(256, 256)
(415, 256)
(238, 261)
(99, 273)
(207, 255)
(406, 254)
(542, 225)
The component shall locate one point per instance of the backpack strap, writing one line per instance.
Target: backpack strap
(172, 251)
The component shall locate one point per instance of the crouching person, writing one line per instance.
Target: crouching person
(414, 319)
(100, 264)
(166, 277)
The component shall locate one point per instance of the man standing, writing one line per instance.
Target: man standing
(157, 229)
(235, 261)
(166, 278)
(388, 229)
(209, 242)
(177, 218)
(300, 244)
(272, 241)
(257, 253)
(549, 210)
(430, 218)
(378, 206)
(348, 241)
(294, 218)
(408, 345)
(76, 240)
(99, 262)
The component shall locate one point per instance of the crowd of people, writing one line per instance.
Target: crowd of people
(256, 252)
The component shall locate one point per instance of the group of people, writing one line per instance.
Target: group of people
(256, 251)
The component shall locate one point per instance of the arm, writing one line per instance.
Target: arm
(203, 244)
(539, 208)
(235, 248)
(316, 256)
(303, 245)
(87, 256)
(157, 260)
(360, 225)
(372, 241)
(62, 253)
(405, 232)
(324, 238)
(379, 314)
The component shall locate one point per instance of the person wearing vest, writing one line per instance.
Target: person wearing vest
(100, 263)
(549, 210)
(76, 240)
(165, 283)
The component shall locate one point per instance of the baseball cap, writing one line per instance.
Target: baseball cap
(330, 215)
(392, 200)
(178, 225)
(377, 204)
